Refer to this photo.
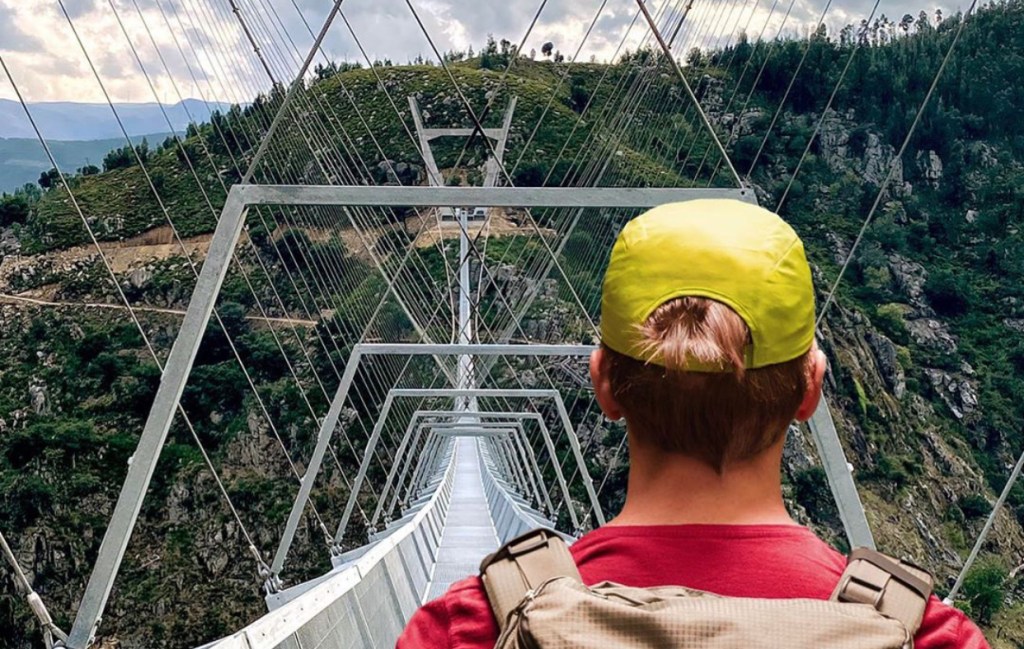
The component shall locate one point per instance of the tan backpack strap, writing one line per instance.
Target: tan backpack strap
(521, 565)
(897, 589)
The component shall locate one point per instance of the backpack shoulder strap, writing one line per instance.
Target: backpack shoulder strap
(897, 589)
(522, 564)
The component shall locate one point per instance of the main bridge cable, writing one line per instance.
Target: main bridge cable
(255, 45)
(194, 173)
(976, 550)
(163, 208)
(86, 634)
(292, 90)
(277, 250)
(50, 629)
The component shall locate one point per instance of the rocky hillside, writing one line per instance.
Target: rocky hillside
(925, 336)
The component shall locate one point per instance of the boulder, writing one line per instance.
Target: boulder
(38, 399)
(909, 278)
(140, 277)
(932, 333)
(888, 363)
(878, 158)
(958, 393)
(834, 140)
(930, 165)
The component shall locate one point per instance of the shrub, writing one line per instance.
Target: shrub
(949, 293)
(889, 318)
(974, 506)
(13, 209)
(812, 492)
(983, 591)
(121, 158)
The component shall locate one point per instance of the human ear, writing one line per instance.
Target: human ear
(818, 365)
(602, 386)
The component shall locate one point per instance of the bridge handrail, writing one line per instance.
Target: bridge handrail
(510, 517)
(280, 625)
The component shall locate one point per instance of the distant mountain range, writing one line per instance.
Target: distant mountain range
(82, 122)
(81, 134)
(22, 160)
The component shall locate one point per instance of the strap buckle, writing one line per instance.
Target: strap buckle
(534, 540)
(859, 595)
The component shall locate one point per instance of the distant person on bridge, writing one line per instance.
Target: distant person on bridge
(708, 352)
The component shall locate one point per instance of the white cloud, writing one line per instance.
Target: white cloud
(216, 58)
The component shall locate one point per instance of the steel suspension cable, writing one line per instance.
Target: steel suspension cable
(130, 310)
(35, 603)
(689, 91)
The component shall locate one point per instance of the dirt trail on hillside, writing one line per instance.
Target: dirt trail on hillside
(30, 301)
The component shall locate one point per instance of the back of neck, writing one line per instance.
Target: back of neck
(673, 489)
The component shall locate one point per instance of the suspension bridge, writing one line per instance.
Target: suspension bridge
(452, 439)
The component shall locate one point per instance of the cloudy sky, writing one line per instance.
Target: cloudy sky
(200, 48)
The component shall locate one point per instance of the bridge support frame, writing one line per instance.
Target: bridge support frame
(539, 350)
(411, 440)
(229, 228)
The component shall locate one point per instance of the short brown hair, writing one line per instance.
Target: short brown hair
(717, 417)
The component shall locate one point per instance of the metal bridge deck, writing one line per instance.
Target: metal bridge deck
(469, 533)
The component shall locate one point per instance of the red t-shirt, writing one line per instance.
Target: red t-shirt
(769, 561)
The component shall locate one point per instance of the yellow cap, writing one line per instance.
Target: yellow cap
(729, 251)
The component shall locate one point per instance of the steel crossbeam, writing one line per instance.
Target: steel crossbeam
(519, 416)
(512, 197)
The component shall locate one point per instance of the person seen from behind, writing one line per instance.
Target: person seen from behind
(708, 353)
